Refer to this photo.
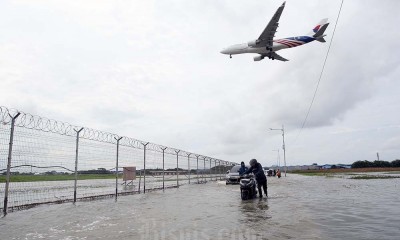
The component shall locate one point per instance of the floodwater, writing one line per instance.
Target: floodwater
(298, 207)
(25, 193)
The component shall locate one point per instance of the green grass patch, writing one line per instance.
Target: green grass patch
(66, 177)
(373, 177)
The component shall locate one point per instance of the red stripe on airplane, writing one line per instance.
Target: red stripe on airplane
(288, 43)
(291, 42)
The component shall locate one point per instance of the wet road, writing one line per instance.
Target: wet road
(298, 207)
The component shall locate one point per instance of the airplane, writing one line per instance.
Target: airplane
(266, 46)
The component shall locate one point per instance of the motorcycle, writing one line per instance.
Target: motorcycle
(248, 187)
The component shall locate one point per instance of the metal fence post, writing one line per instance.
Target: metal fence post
(210, 170)
(39, 127)
(163, 167)
(218, 171)
(76, 161)
(144, 167)
(222, 170)
(140, 179)
(215, 170)
(116, 168)
(188, 155)
(9, 162)
(177, 165)
(197, 168)
(204, 168)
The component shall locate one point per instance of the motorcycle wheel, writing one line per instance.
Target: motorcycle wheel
(244, 194)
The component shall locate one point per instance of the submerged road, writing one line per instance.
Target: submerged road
(298, 207)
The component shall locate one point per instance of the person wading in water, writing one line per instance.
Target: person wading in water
(258, 171)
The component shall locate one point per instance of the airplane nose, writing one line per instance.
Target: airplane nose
(223, 51)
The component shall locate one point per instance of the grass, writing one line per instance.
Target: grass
(37, 178)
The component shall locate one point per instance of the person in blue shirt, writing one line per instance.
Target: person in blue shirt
(258, 171)
(242, 169)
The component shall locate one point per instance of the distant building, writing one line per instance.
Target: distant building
(329, 166)
(344, 165)
(326, 166)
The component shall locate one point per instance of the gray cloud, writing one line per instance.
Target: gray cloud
(152, 70)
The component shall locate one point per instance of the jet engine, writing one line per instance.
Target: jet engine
(253, 43)
(258, 58)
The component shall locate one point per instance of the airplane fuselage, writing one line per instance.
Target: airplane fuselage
(278, 44)
(266, 46)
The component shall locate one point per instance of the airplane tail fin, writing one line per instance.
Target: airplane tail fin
(318, 31)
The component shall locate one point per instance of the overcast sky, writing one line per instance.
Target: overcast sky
(152, 70)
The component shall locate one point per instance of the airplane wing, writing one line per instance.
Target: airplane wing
(271, 55)
(276, 56)
(267, 36)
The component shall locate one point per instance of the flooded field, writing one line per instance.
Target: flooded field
(298, 207)
(33, 193)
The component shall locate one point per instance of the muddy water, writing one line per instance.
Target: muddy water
(298, 207)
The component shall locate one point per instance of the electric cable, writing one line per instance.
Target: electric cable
(320, 76)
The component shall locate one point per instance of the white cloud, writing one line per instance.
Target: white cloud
(152, 70)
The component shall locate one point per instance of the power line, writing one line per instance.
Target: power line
(320, 76)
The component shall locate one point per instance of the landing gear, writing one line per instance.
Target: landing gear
(230, 56)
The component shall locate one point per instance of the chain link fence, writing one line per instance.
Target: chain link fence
(47, 161)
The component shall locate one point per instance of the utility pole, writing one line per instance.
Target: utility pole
(278, 161)
(283, 145)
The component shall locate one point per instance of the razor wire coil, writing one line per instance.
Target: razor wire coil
(34, 122)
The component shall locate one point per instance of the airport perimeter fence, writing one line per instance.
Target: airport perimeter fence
(47, 161)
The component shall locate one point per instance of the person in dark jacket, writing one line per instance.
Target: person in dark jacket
(258, 171)
(242, 169)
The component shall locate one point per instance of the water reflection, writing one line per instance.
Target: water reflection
(255, 210)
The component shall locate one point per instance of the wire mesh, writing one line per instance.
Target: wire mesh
(41, 167)
(46, 152)
(4, 139)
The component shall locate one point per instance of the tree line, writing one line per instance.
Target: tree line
(375, 164)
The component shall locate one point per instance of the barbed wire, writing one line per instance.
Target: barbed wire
(34, 166)
(34, 122)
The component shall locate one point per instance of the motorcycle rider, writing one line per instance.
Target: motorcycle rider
(242, 169)
(258, 171)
